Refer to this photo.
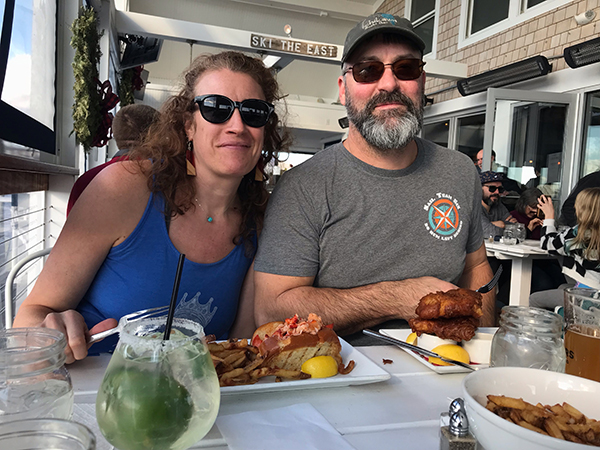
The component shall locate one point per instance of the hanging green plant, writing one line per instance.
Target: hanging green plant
(87, 115)
(126, 87)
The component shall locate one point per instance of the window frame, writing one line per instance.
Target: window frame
(19, 127)
(435, 13)
(517, 13)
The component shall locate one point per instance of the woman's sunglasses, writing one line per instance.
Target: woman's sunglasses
(219, 109)
(492, 189)
(372, 71)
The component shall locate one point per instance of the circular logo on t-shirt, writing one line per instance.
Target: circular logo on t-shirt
(443, 218)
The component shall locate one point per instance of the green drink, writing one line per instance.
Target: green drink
(158, 395)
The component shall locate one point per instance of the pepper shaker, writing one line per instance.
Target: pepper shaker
(456, 436)
(456, 405)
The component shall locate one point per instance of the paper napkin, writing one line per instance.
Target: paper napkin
(295, 427)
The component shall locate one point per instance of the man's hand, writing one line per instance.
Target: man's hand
(534, 223)
(545, 204)
(72, 325)
(511, 219)
(498, 223)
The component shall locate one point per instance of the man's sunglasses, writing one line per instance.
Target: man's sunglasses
(492, 189)
(372, 71)
(219, 109)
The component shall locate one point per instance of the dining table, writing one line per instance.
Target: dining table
(521, 256)
(402, 411)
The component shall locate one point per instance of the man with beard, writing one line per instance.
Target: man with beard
(494, 213)
(359, 233)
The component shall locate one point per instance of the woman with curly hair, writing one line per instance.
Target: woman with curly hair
(195, 186)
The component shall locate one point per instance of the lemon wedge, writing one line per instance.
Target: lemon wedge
(412, 339)
(450, 351)
(320, 367)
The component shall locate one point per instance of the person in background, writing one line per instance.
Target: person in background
(512, 187)
(526, 212)
(195, 187)
(363, 230)
(579, 246)
(129, 126)
(568, 214)
(494, 214)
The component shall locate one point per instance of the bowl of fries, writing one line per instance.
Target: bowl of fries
(522, 408)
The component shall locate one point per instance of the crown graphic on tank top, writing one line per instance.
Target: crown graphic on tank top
(194, 310)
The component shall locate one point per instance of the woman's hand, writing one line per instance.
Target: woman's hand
(72, 325)
(534, 223)
(545, 204)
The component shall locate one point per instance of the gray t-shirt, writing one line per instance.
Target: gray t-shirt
(350, 224)
(497, 212)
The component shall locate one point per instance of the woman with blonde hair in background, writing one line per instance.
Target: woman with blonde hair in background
(579, 245)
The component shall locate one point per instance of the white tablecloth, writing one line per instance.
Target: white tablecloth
(402, 412)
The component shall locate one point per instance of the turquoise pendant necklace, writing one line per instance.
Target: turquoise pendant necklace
(209, 218)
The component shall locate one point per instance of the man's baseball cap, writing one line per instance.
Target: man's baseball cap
(489, 176)
(377, 24)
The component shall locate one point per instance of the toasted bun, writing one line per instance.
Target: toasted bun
(265, 330)
(291, 352)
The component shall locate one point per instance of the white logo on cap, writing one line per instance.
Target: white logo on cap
(379, 20)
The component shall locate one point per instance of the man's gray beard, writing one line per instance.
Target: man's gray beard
(384, 136)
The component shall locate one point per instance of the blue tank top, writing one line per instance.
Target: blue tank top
(139, 273)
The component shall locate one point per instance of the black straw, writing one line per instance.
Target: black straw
(174, 297)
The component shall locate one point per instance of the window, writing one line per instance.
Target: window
(481, 19)
(27, 73)
(470, 131)
(21, 233)
(423, 17)
(437, 132)
(591, 138)
(487, 12)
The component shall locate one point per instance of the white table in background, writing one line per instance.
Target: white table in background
(522, 256)
(402, 412)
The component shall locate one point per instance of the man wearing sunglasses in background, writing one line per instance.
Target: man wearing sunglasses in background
(494, 213)
(363, 230)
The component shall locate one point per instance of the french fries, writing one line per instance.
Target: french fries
(238, 363)
(559, 421)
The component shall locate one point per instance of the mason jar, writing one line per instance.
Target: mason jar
(36, 434)
(34, 382)
(528, 337)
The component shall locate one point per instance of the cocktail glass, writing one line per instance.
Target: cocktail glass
(156, 394)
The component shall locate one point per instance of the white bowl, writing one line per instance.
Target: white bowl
(429, 342)
(533, 386)
(479, 347)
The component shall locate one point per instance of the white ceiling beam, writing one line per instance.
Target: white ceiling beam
(448, 70)
(211, 35)
(338, 9)
(216, 36)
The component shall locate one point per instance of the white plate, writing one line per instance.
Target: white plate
(365, 371)
(402, 334)
(531, 243)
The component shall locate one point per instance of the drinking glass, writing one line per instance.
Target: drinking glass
(582, 333)
(156, 394)
(521, 232)
(528, 337)
(510, 234)
(37, 434)
(34, 382)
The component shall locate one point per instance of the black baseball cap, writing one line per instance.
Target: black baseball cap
(377, 24)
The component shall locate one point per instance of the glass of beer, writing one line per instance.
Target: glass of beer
(157, 394)
(582, 333)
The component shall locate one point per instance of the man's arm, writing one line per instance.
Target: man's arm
(476, 273)
(350, 310)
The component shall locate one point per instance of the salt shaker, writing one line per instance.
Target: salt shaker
(456, 436)
(456, 405)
